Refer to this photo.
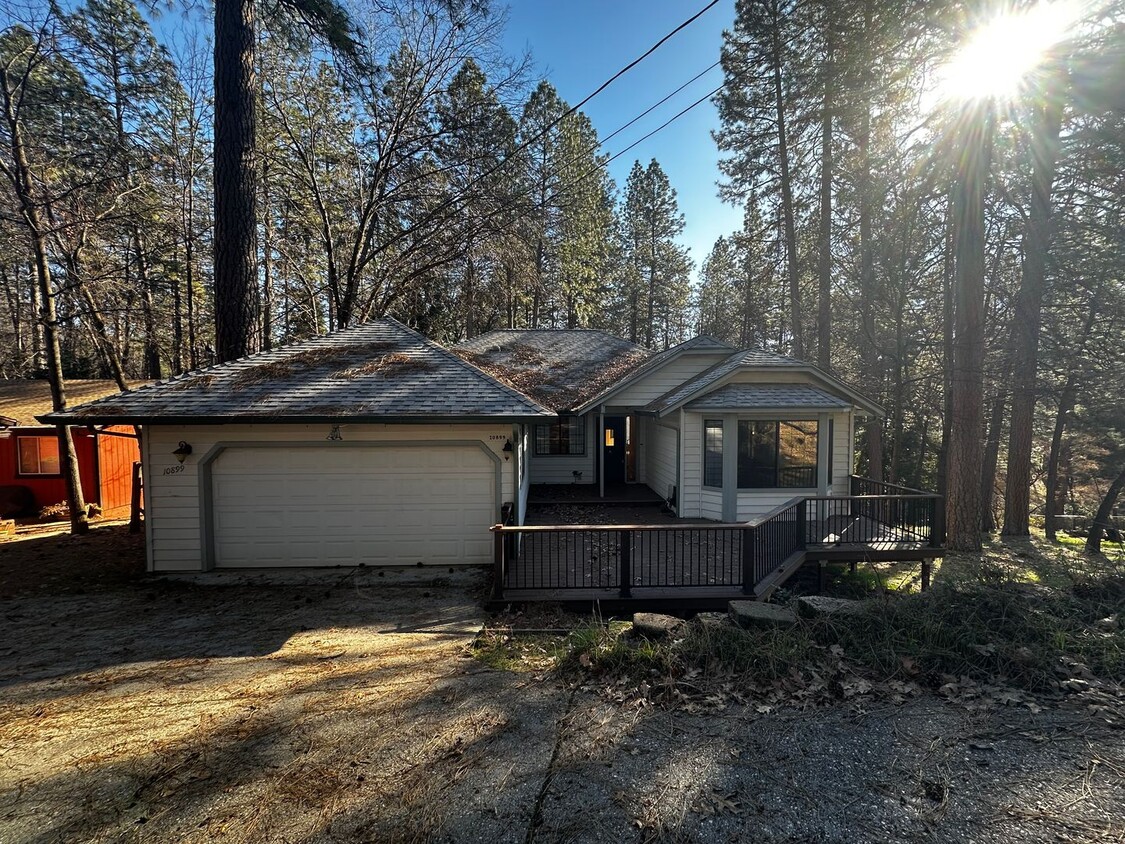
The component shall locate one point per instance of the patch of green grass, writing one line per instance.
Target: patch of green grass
(760, 654)
(875, 578)
(508, 650)
(611, 648)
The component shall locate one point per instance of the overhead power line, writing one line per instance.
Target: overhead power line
(432, 214)
(657, 105)
(663, 125)
(646, 54)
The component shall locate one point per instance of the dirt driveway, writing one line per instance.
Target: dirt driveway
(351, 711)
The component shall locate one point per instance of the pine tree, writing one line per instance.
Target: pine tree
(585, 201)
(656, 289)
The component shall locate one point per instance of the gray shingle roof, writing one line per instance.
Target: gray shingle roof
(703, 341)
(768, 396)
(559, 368)
(748, 357)
(378, 371)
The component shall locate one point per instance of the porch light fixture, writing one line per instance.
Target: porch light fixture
(507, 449)
(335, 434)
(182, 451)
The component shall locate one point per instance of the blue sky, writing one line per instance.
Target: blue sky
(578, 44)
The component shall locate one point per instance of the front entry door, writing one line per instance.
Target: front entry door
(614, 446)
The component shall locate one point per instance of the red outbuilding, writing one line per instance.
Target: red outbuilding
(29, 451)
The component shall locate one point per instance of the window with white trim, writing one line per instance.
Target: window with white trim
(713, 452)
(566, 436)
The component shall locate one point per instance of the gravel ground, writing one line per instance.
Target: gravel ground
(350, 710)
(918, 772)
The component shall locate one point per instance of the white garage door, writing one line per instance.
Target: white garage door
(320, 506)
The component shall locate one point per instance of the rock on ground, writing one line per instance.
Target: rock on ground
(760, 614)
(812, 606)
(654, 625)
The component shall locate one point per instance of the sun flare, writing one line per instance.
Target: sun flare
(998, 58)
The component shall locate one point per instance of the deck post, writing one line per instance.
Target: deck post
(625, 562)
(748, 561)
(498, 545)
(937, 525)
(802, 527)
(926, 563)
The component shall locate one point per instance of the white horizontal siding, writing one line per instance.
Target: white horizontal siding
(663, 379)
(754, 504)
(660, 454)
(172, 503)
(711, 504)
(691, 469)
(560, 468)
(841, 453)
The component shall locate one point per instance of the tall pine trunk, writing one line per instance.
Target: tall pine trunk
(30, 213)
(992, 457)
(1029, 303)
(965, 446)
(824, 235)
(1067, 399)
(235, 176)
(869, 354)
(1050, 506)
(787, 213)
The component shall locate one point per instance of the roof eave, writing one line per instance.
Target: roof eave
(777, 408)
(290, 419)
(859, 401)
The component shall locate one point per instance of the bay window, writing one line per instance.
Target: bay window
(777, 455)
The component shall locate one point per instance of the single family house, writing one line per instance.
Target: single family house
(376, 446)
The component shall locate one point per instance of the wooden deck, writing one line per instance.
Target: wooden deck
(615, 494)
(692, 562)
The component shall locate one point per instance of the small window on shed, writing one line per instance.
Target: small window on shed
(38, 455)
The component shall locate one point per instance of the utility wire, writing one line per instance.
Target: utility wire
(655, 106)
(541, 134)
(561, 189)
(662, 126)
(644, 56)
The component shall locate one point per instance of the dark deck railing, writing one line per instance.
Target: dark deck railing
(618, 559)
(874, 520)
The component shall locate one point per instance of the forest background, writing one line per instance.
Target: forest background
(403, 164)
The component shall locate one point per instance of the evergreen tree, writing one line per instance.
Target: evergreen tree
(656, 287)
